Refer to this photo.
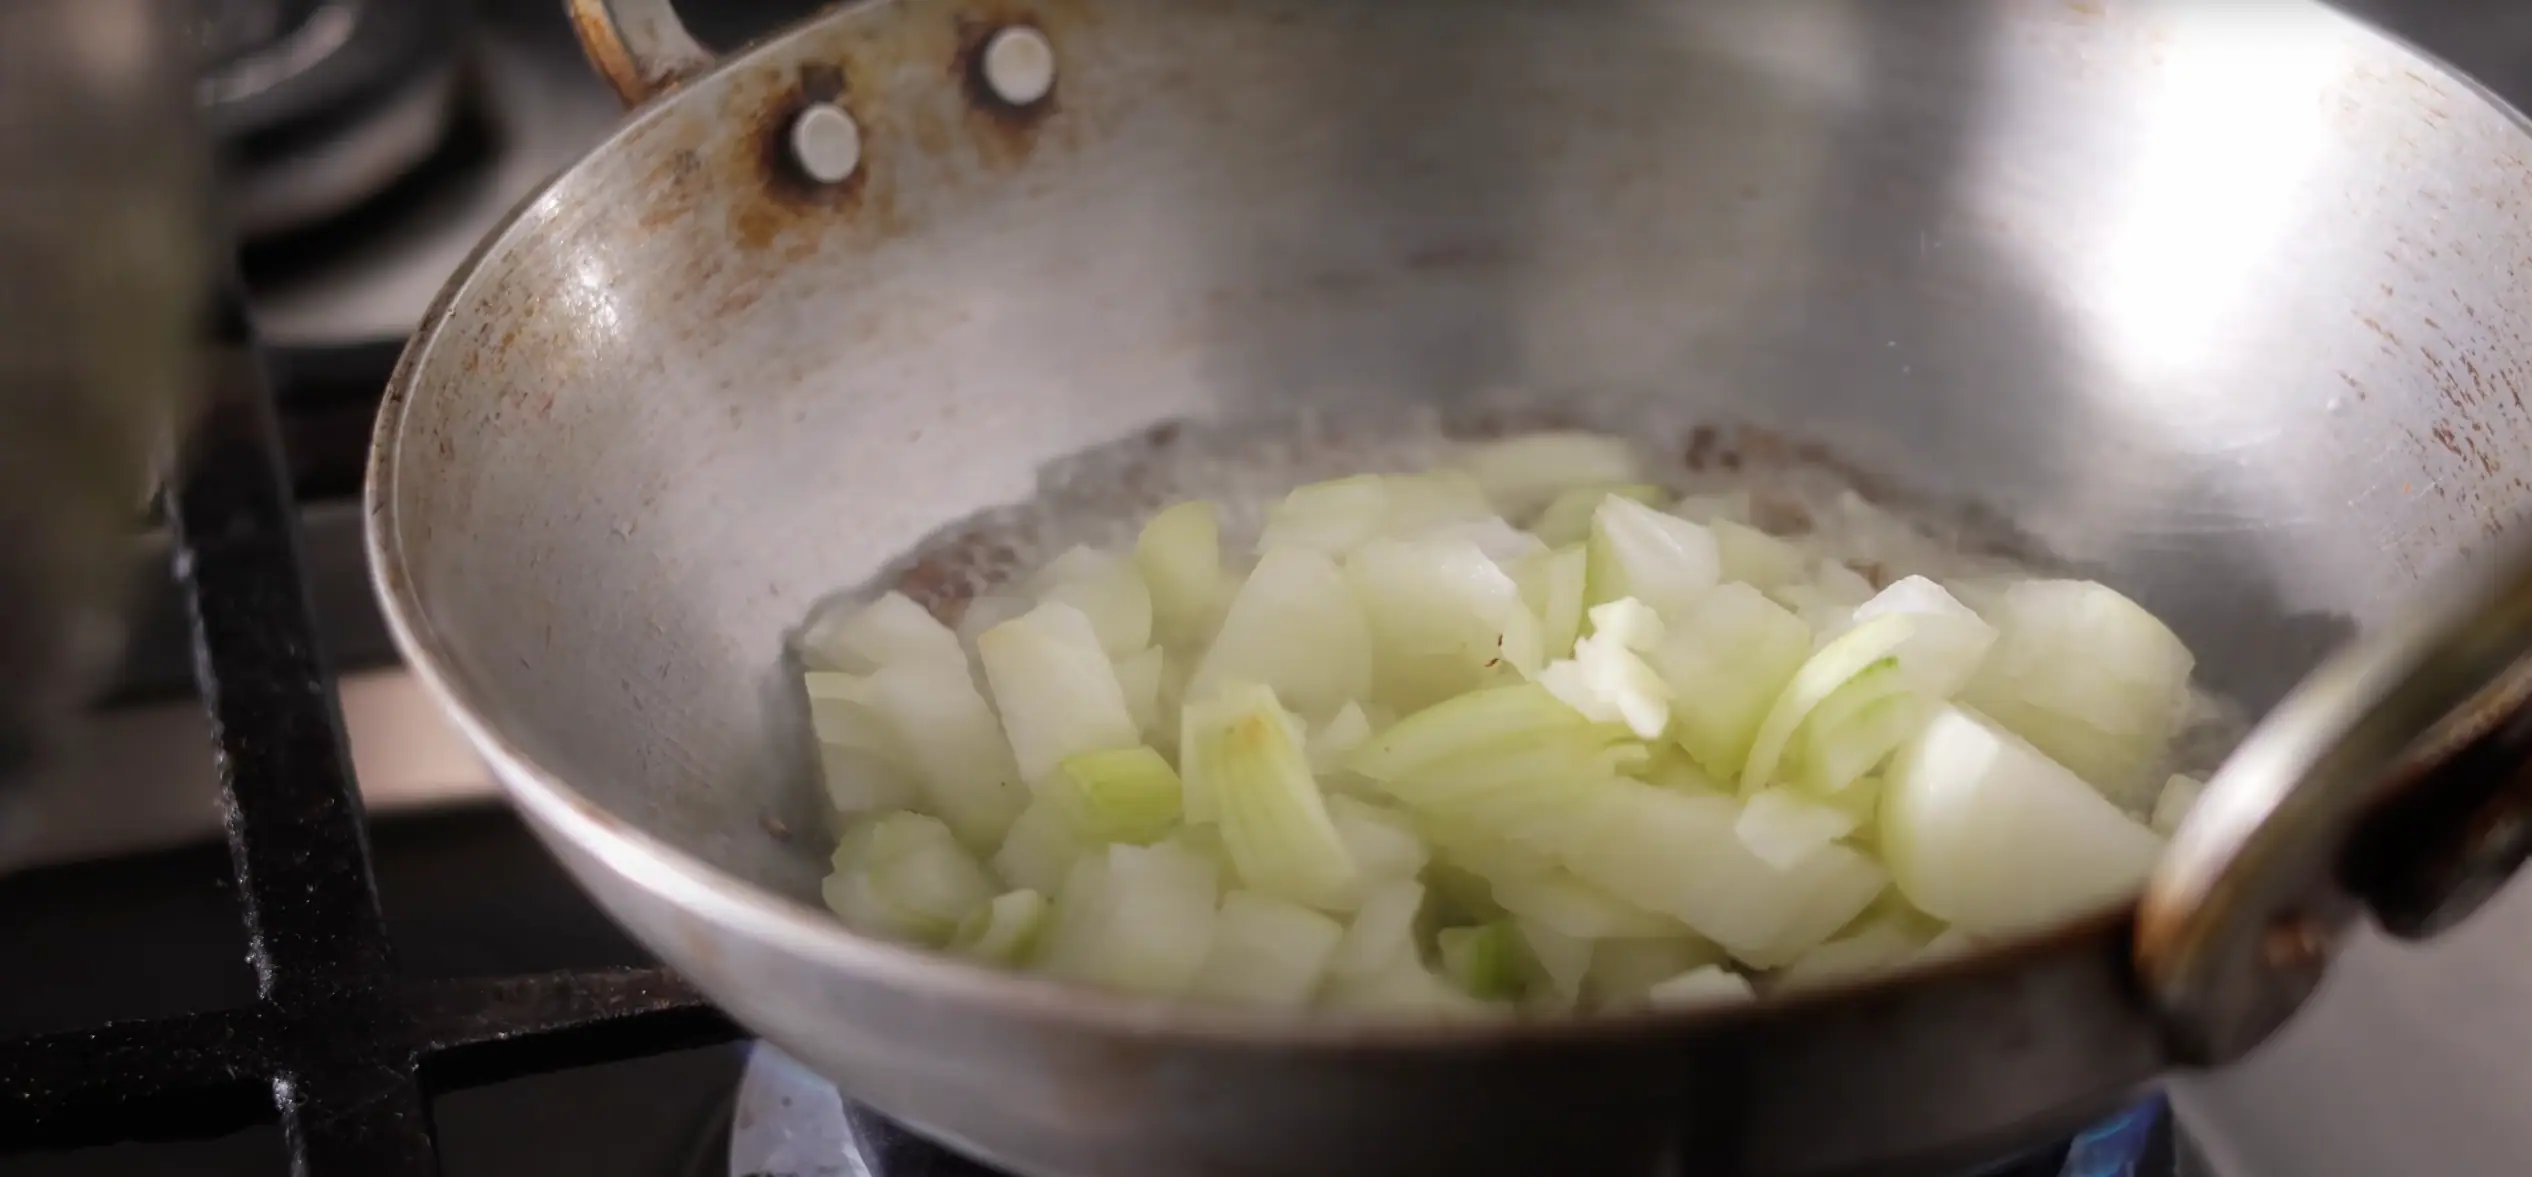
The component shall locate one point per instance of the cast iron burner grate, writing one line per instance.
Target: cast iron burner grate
(336, 1047)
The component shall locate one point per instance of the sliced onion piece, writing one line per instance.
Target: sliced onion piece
(885, 632)
(1118, 795)
(1180, 556)
(1444, 618)
(1623, 972)
(1382, 934)
(1949, 641)
(1331, 742)
(1857, 727)
(1983, 831)
(1488, 962)
(1109, 591)
(1522, 475)
(927, 718)
(1710, 985)
(1553, 898)
(1877, 947)
(1295, 627)
(1783, 826)
(1562, 962)
(1247, 752)
(1555, 587)
(1567, 520)
(1726, 662)
(1607, 679)
(1679, 854)
(1470, 727)
(1139, 920)
(1004, 931)
(857, 782)
(1267, 953)
(903, 876)
(1662, 560)
(1058, 692)
(1042, 847)
(1853, 653)
(1144, 677)
(2088, 677)
(1753, 557)
(1732, 506)
(1384, 845)
(2172, 805)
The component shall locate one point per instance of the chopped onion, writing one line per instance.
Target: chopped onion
(2088, 677)
(1330, 743)
(1383, 845)
(1294, 626)
(1561, 959)
(927, 719)
(1857, 727)
(1662, 560)
(1144, 678)
(1488, 962)
(1948, 642)
(1118, 795)
(2172, 805)
(1058, 693)
(1680, 854)
(1645, 757)
(903, 876)
(1522, 475)
(1553, 898)
(1783, 827)
(1444, 618)
(1726, 661)
(1109, 591)
(1247, 752)
(1267, 952)
(1984, 832)
(1003, 931)
(1555, 587)
(1710, 985)
(886, 632)
(1039, 852)
(1877, 947)
(1606, 679)
(1624, 971)
(1180, 557)
(1853, 653)
(1731, 506)
(1382, 934)
(1139, 920)
(1567, 520)
(1753, 557)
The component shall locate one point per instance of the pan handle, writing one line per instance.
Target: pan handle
(638, 46)
(2396, 779)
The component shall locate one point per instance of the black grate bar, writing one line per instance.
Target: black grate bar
(347, 1089)
(85, 1087)
(479, 1032)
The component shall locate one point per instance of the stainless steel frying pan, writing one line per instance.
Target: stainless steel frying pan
(2224, 300)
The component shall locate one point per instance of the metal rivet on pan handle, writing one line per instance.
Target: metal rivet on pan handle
(826, 142)
(1019, 65)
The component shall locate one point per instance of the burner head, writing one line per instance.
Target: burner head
(788, 1120)
(318, 105)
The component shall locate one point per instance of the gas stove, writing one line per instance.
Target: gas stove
(329, 951)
